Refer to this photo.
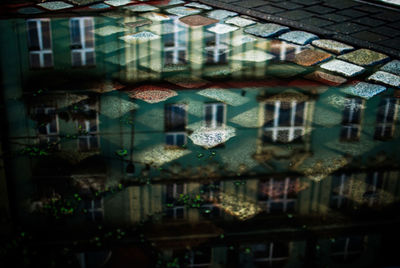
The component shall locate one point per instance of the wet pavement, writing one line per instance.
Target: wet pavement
(176, 134)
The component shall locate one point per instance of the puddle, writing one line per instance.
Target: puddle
(168, 134)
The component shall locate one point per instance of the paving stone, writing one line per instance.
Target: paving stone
(197, 21)
(183, 11)
(320, 9)
(141, 36)
(56, 5)
(352, 13)
(347, 27)
(364, 90)
(117, 3)
(369, 36)
(332, 46)
(138, 23)
(298, 37)
(307, 2)
(266, 29)
(253, 56)
(154, 16)
(239, 21)
(310, 57)
(173, 3)
(395, 25)
(326, 78)
(269, 9)
(220, 14)
(249, 3)
(198, 5)
(295, 14)
(364, 57)
(369, 9)
(82, 2)
(387, 16)
(369, 21)
(384, 30)
(221, 28)
(386, 78)
(340, 3)
(392, 43)
(334, 17)
(316, 21)
(99, 6)
(287, 5)
(109, 30)
(141, 8)
(342, 67)
(29, 10)
(241, 39)
(392, 67)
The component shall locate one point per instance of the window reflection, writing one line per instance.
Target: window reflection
(385, 119)
(82, 41)
(278, 195)
(48, 130)
(284, 121)
(175, 124)
(175, 207)
(351, 123)
(39, 43)
(175, 43)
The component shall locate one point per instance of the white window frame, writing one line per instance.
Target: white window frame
(90, 134)
(41, 52)
(342, 195)
(270, 259)
(175, 138)
(353, 106)
(219, 48)
(374, 186)
(384, 124)
(192, 258)
(345, 253)
(284, 200)
(177, 47)
(175, 196)
(49, 135)
(93, 209)
(214, 109)
(82, 51)
(292, 128)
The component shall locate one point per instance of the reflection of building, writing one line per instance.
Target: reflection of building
(144, 153)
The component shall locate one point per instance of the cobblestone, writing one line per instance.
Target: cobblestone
(295, 14)
(320, 9)
(364, 90)
(332, 46)
(369, 36)
(385, 78)
(310, 57)
(364, 57)
(266, 29)
(342, 67)
(298, 37)
(326, 78)
(392, 67)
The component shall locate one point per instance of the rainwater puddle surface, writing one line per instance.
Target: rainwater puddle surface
(173, 134)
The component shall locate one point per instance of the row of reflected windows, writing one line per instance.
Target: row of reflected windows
(277, 196)
(83, 43)
(283, 122)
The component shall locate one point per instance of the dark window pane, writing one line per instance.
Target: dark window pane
(168, 58)
(220, 115)
(46, 35)
(180, 139)
(35, 60)
(90, 58)
(299, 119)
(169, 139)
(76, 59)
(285, 114)
(170, 195)
(208, 115)
(83, 145)
(94, 142)
(89, 40)
(33, 37)
(53, 126)
(298, 134)
(267, 137)
(179, 189)
(269, 114)
(182, 56)
(283, 136)
(48, 59)
(75, 32)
